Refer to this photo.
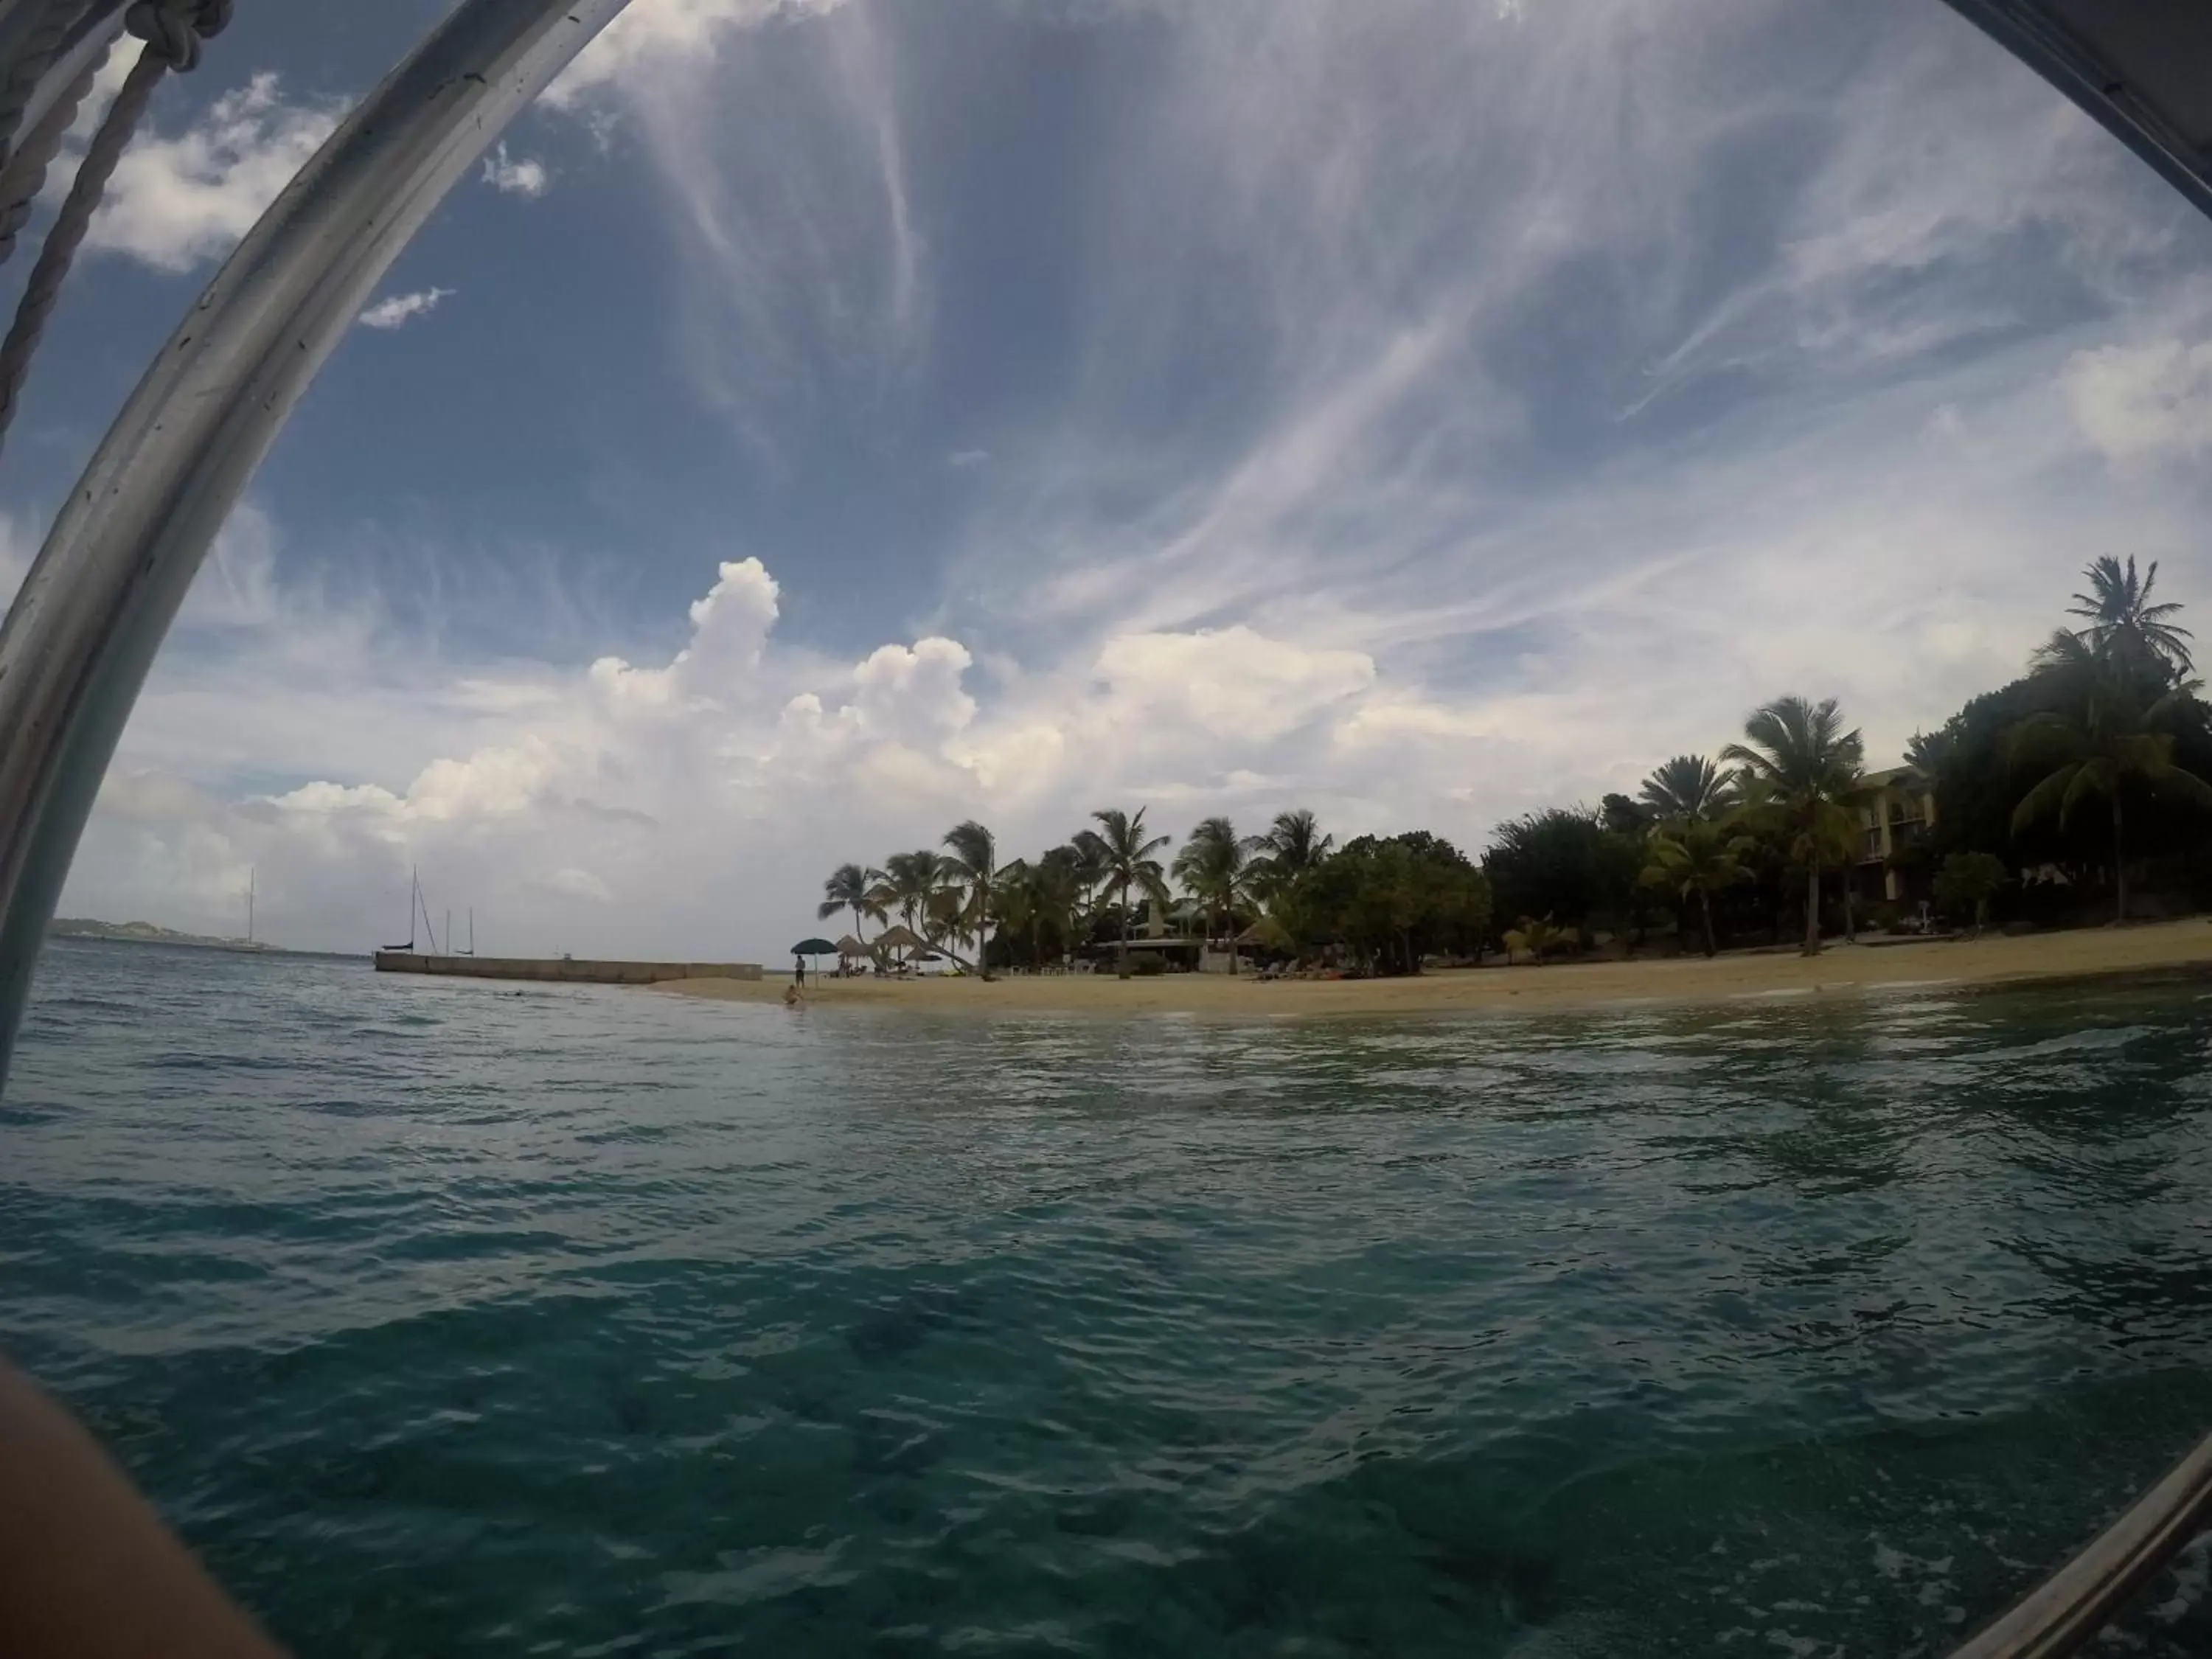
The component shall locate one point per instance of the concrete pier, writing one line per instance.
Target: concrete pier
(561, 970)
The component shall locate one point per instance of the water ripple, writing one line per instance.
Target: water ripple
(448, 1320)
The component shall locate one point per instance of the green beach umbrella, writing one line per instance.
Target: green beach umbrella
(814, 947)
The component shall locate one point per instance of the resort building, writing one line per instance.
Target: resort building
(1897, 815)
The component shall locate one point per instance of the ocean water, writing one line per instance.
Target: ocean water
(451, 1319)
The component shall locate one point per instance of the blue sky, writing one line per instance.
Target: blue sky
(824, 421)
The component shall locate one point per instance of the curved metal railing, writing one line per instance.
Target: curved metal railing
(77, 642)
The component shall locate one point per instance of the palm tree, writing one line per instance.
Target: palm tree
(909, 881)
(2114, 741)
(1293, 845)
(1088, 853)
(1799, 764)
(2125, 628)
(1700, 858)
(1130, 860)
(851, 888)
(1216, 864)
(974, 861)
(1540, 938)
(1688, 789)
(1927, 753)
(1033, 896)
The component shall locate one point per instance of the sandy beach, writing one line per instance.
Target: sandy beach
(1841, 969)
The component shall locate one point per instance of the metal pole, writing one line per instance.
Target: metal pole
(2062, 1614)
(75, 647)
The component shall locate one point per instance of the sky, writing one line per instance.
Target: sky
(820, 422)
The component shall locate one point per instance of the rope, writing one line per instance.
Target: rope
(24, 177)
(42, 40)
(173, 31)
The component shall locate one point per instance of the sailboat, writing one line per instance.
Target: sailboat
(416, 907)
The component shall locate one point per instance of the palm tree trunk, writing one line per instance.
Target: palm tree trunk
(1813, 909)
(1705, 904)
(1121, 963)
(2119, 859)
(984, 932)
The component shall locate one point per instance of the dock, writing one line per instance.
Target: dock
(560, 970)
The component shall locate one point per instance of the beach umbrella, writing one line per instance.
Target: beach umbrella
(898, 938)
(849, 946)
(814, 947)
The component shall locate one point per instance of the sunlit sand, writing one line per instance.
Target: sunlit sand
(1840, 969)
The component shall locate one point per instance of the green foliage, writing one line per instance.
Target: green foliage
(1293, 845)
(1624, 816)
(1799, 774)
(1697, 860)
(1128, 859)
(1537, 939)
(2115, 736)
(1563, 861)
(1966, 884)
(1217, 867)
(850, 888)
(1688, 786)
(971, 867)
(1388, 903)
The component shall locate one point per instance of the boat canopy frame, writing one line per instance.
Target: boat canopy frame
(83, 632)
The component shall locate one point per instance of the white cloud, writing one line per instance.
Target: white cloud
(1461, 407)
(1232, 684)
(526, 177)
(177, 201)
(397, 310)
(652, 36)
(2142, 402)
(572, 883)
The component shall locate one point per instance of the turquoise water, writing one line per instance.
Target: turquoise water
(450, 1320)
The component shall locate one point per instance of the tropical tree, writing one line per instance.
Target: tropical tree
(1537, 937)
(1968, 881)
(1800, 768)
(1293, 845)
(1700, 859)
(910, 881)
(2125, 629)
(1390, 900)
(1130, 859)
(2111, 740)
(850, 887)
(1089, 852)
(1216, 867)
(1688, 788)
(973, 863)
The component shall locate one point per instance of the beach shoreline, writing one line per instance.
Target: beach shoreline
(1752, 977)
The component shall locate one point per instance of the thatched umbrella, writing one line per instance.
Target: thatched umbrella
(898, 939)
(850, 949)
(1266, 934)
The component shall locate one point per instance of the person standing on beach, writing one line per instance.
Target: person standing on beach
(798, 971)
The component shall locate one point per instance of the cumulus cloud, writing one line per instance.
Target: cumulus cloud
(1443, 410)
(178, 200)
(397, 310)
(2142, 402)
(653, 35)
(526, 177)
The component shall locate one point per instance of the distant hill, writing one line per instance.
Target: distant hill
(145, 932)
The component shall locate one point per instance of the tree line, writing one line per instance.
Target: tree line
(1755, 841)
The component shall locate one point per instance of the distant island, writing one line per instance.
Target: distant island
(145, 932)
